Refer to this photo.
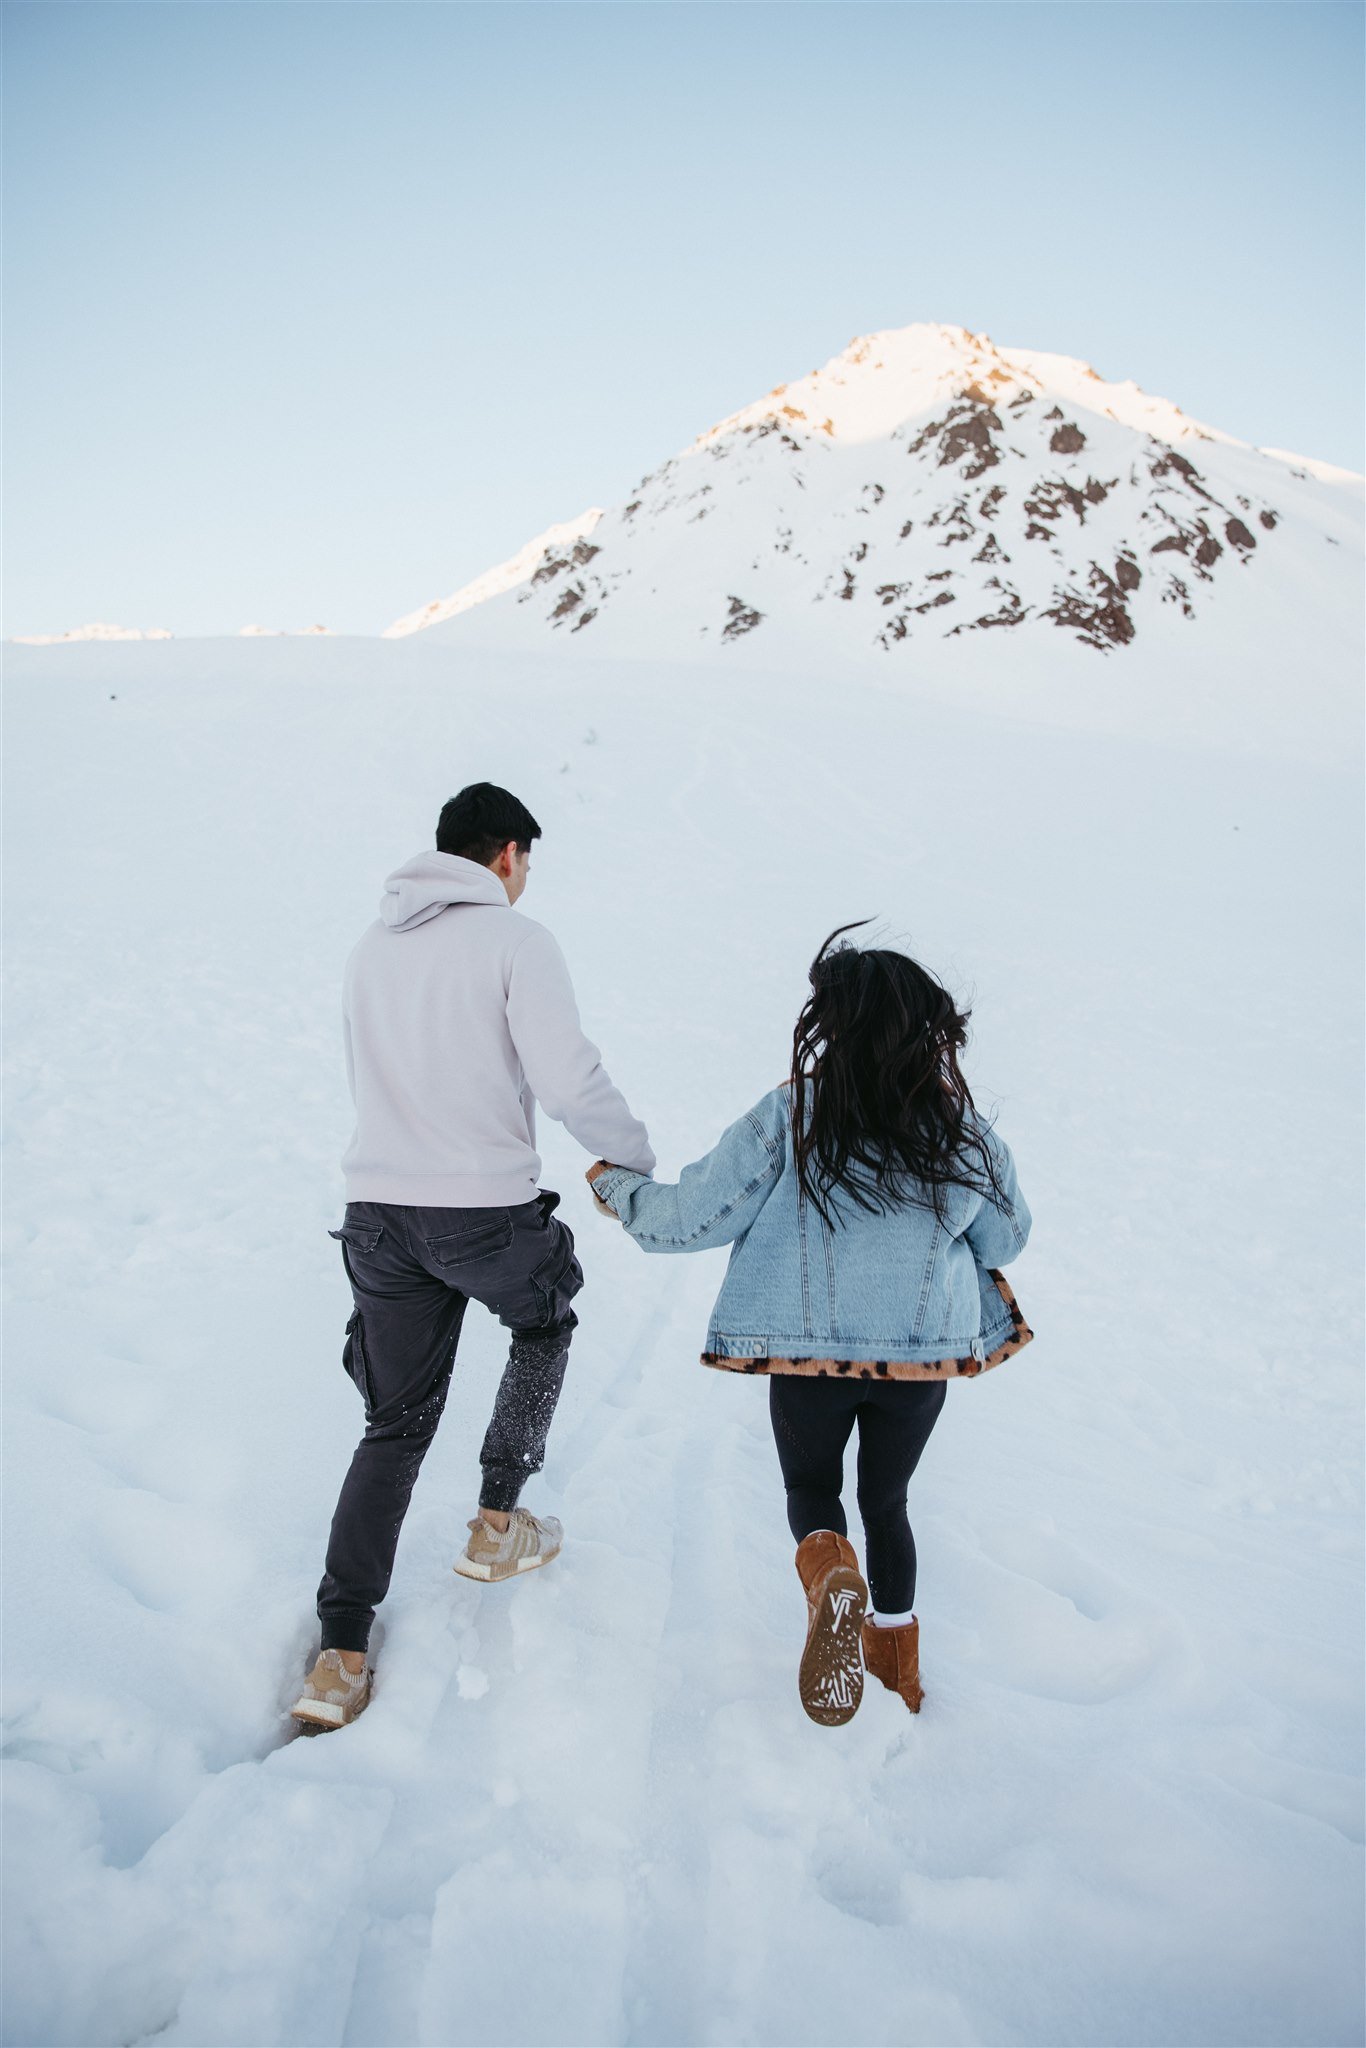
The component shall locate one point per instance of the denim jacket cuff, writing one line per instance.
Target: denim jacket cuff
(610, 1189)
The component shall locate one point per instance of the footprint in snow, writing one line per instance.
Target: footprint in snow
(160, 1552)
(859, 1877)
(1056, 1624)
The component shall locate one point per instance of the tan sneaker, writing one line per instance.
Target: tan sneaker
(332, 1695)
(529, 1540)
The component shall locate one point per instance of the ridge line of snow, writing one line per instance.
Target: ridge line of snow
(1325, 472)
(501, 577)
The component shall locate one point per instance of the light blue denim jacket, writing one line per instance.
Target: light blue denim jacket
(902, 1285)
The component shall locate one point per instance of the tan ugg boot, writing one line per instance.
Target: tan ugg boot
(830, 1680)
(893, 1655)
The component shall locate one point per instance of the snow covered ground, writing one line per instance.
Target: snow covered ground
(587, 1809)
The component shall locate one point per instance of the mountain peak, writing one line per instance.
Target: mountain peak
(881, 379)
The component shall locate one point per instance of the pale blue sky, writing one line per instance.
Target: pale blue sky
(315, 310)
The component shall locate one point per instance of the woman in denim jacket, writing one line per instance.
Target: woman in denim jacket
(868, 1208)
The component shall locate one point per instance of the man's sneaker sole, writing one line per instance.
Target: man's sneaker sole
(830, 1680)
(320, 1714)
(470, 1568)
(314, 1716)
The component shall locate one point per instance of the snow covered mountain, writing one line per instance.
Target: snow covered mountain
(924, 485)
(100, 630)
(107, 632)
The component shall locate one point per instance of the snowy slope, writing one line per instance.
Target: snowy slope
(925, 485)
(587, 1809)
(509, 575)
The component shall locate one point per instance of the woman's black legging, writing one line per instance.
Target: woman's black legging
(812, 1422)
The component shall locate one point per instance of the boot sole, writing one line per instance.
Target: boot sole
(830, 1680)
(470, 1568)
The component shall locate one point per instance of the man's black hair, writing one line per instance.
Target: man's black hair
(479, 822)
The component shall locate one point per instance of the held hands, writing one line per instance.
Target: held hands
(594, 1172)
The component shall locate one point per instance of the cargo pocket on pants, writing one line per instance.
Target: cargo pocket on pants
(557, 1279)
(355, 1362)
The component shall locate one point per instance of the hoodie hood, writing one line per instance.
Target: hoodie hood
(430, 882)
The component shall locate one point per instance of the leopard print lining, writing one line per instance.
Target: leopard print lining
(892, 1368)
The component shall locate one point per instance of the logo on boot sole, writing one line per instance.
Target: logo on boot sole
(840, 1604)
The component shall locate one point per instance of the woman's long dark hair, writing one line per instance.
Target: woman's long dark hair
(880, 1109)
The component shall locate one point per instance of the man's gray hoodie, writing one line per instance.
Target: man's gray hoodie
(459, 1016)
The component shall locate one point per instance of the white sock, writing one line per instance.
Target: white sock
(891, 1620)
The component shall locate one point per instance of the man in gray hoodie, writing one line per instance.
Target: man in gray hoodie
(458, 1017)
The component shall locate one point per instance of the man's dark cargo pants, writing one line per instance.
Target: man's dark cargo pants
(412, 1272)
